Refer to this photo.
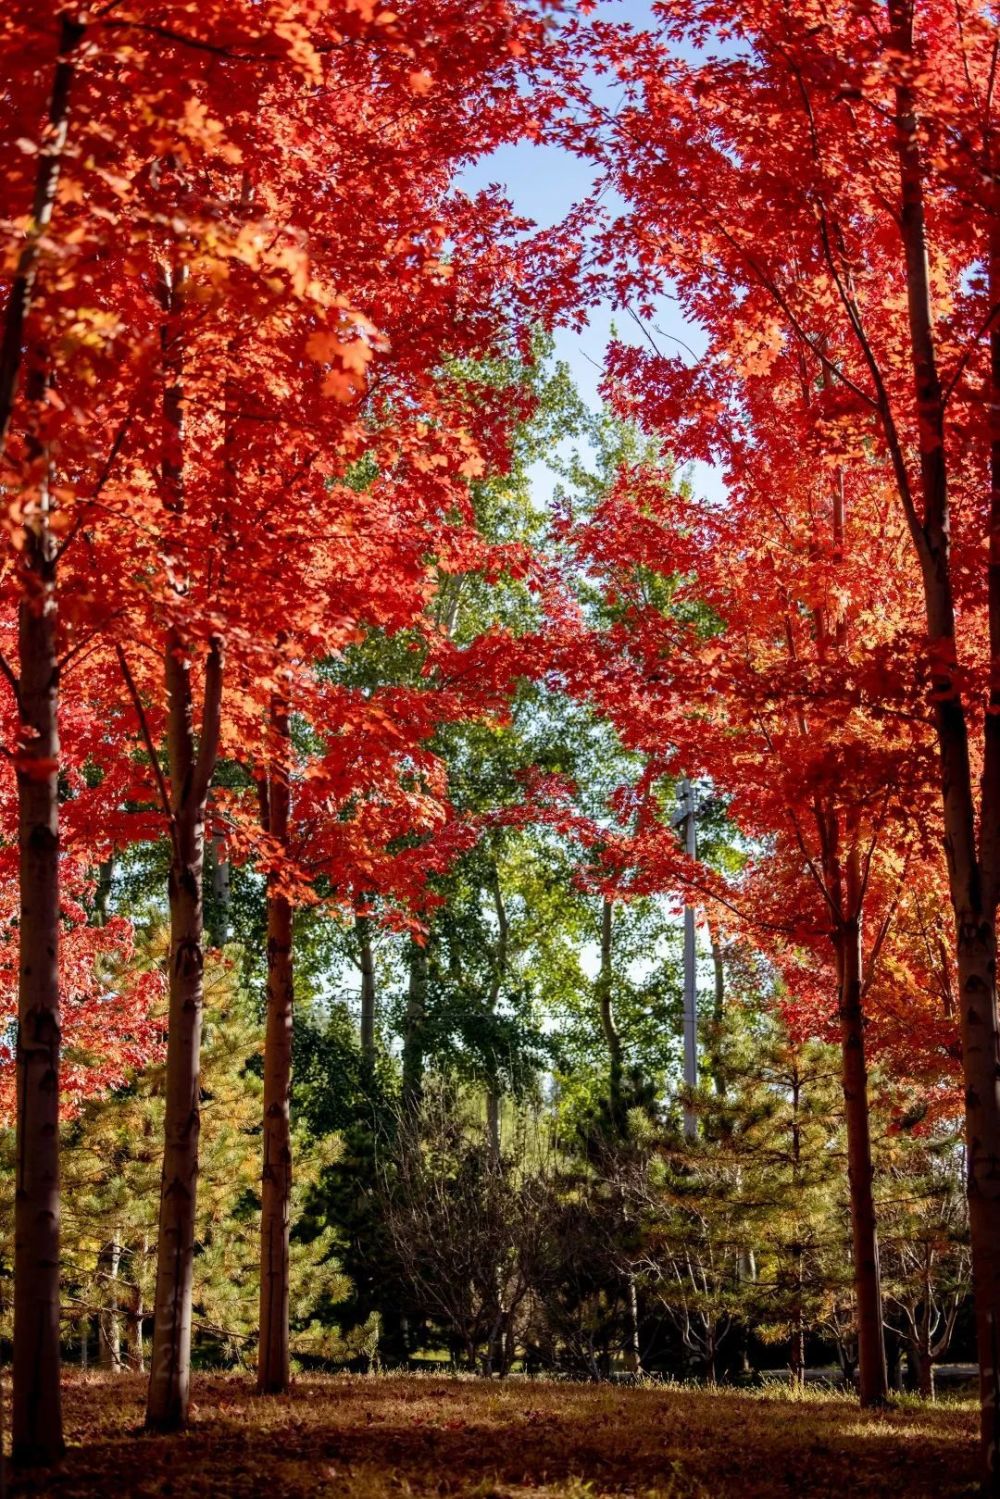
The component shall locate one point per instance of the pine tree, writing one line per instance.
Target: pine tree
(111, 1176)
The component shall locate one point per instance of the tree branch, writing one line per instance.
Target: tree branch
(147, 737)
(211, 722)
(9, 673)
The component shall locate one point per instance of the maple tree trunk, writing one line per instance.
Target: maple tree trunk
(872, 1376)
(798, 1341)
(974, 883)
(276, 1178)
(190, 778)
(981, 1066)
(37, 1410)
(362, 927)
(170, 1372)
(36, 1434)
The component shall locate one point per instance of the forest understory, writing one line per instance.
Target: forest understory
(362, 1437)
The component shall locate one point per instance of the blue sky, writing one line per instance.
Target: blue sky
(543, 182)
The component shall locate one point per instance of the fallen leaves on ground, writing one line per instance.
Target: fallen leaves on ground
(361, 1437)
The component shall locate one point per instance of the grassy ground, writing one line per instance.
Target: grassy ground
(371, 1438)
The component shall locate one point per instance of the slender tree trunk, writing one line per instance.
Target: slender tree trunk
(102, 894)
(414, 1028)
(718, 1015)
(925, 1367)
(191, 771)
(974, 874)
(509, 1348)
(135, 1344)
(609, 1027)
(493, 1357)
(797, 1354)
(37, 1414)
(633, 1360)
(499, 958)
(798, 1341)
(170, 1377)
(845, 1358)
(686, 791)
(746, 1274)
(221, 909)
(109, 1339)
(137, 1312)
(276, 1181)
(872, 1380)
(133, 1325)
(37, 1435)
(169, 1386)
(493, 1122)
(981, 1065)
(363, 931)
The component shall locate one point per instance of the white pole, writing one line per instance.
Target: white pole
(687, 815)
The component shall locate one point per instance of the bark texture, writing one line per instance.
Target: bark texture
(363, 931)
(276, 1176)
(191, 763)
(499, 958)
(609, 1026)
(843, 885)
(109, 1327)
(136, 1314)
(222, 897)
(190, 774)
(414, 1026)
(973, 870)
(873, 1383)
(37, 1414)
(37, 1435)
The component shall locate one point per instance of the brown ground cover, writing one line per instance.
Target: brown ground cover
(370, 1438)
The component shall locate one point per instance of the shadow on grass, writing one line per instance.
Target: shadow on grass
(363, 1438)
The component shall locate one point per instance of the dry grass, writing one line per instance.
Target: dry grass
(370, 1438)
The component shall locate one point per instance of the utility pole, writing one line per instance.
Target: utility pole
(686, 818)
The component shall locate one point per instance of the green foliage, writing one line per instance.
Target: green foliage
(111, 1174)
